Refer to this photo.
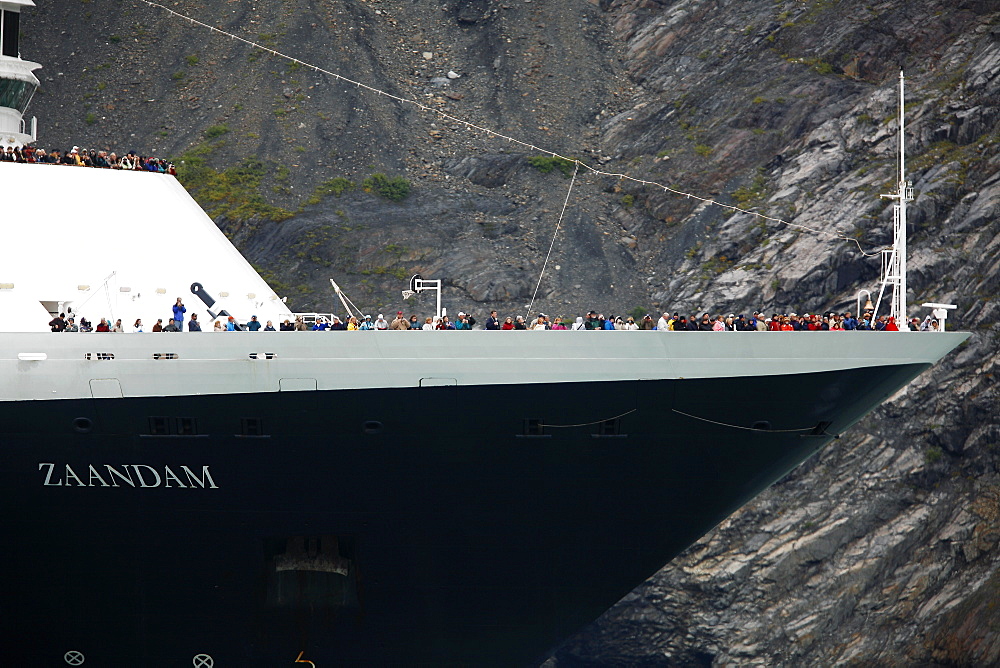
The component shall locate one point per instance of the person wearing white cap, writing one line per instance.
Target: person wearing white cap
(469, 320)
(381, 323)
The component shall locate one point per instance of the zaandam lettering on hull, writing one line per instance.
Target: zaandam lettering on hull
(121, 475)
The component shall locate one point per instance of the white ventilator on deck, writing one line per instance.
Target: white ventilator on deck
(17, 83)
(116, 244)
(894, 259)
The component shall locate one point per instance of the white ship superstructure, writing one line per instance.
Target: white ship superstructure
(17, 81)
(124, 245)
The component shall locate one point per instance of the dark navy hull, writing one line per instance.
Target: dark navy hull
(437, 525)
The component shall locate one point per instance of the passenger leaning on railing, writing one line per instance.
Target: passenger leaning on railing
(757, 322)
(399, 322)
(78, 157)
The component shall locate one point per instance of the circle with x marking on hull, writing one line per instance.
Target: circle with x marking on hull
(203, 661)
(74, 658)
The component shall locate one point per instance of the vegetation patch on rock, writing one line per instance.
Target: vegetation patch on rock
(394, 189)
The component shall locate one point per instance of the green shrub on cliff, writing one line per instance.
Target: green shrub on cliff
(395, 189)
(234, 192)
(336, 187)
(547, 163)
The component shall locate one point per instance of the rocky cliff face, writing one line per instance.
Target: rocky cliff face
(883, 549)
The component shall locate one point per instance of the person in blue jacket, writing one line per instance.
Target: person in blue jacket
(179, 311)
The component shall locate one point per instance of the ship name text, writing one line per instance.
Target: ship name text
(121, 475)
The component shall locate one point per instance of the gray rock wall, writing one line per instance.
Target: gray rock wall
(883, 549)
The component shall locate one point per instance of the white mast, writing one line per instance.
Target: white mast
(894, 259)
(904, 194)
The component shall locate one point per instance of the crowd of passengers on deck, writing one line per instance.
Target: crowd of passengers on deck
(81, 157)
(593, 321)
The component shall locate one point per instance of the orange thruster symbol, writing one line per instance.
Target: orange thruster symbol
(301, 660)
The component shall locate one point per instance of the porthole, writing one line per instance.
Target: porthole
(534, 427)
(372, 427)
(251, 426)
(609, 429)
(83, 425)
(159, 426)
(187, 426)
